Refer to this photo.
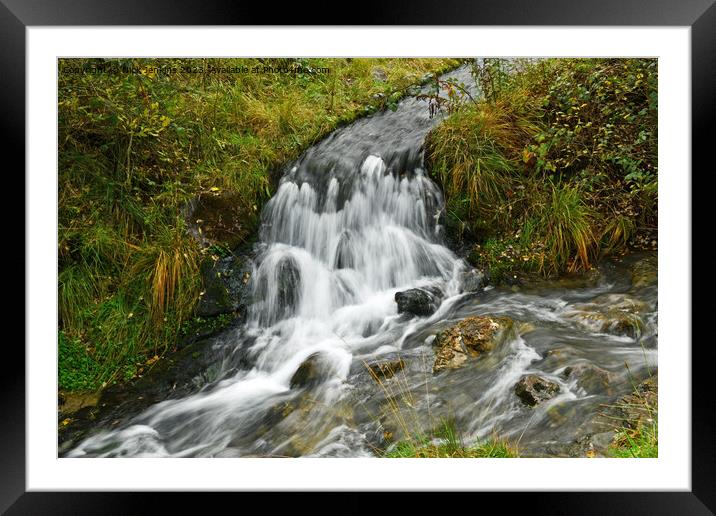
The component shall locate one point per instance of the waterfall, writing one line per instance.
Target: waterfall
(325, 260)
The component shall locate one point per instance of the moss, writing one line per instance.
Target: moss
(203, 326)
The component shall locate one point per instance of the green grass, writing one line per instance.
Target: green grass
(638, 434)
(617, 232)
(555, 168)
(473, 155)
(567, 226)
(642, 442)
(446, 442)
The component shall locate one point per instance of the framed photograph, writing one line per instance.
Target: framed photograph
(359, 258)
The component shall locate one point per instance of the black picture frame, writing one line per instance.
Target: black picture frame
(699, 15)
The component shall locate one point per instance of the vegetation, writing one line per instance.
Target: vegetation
(554, 166)
(446, 442)
(637, 435)
(139, 139)
(637, 443)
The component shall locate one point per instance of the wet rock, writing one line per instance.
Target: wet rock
(533, 389)
(220, 218)
(638, 407)
(471, 337)
(645, 272)
(386, 368)
(626, 324)
(418, 301)
(473, 280)
(279, 412)
(344, 253)
(305, 424)
(618, 314)
(526, 327)
(602, 440)
(588, 445)
(591, 378)
(289, 282)
(71, 402)
(225, 286)
(313, 371)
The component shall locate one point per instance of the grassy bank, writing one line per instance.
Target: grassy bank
(138, 139)
(637, 435)
(447, 443)
(554, 166)
(637, 443)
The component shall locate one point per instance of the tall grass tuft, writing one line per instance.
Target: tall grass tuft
(76, 289)
(567, 225)
(474, 155)
(173, 275)
(617, 232)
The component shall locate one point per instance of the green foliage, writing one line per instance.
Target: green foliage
(220, 250)
(77, 369)
(555, 165)
(642, 442)
(446, 442)
(599, 115)
(566, 223)
(491, 75)
(503, 256)
(205, 325)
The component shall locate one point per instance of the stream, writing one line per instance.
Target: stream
(354, 221)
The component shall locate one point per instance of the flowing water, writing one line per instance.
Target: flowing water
(355, 220)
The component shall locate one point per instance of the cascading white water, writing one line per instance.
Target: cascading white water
(328, 279)
(338, 265)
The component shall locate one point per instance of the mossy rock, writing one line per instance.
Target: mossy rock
(617, 314)
(533, 389)
(593, 379)
(225, 286)
(645, 272)
(312, 372)
(223, 218)
(386, 368)
(469, 338)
